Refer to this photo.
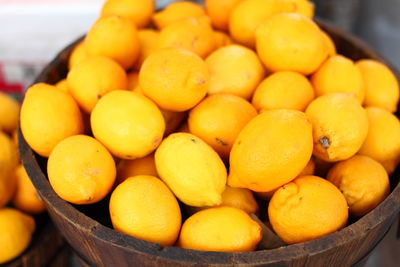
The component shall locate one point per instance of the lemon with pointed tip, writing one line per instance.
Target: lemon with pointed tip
(81, 170)
(192, 169)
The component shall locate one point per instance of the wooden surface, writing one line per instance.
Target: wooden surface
(46, 249)
(89, 232)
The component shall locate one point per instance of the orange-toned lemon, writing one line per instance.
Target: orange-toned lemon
(148, 39)
(218, 120)
(363, 181)
(62, 85)
(48, 116)
(9, 113)
(92, 78)
(329, 43)
(16, 230)
(177, 11)
(26, 198)
(221, 39)
(81, 170)
(133, 82)
(77, 55)
(220, 11)
(338, 74)
(140, 166)
(291, 42)
(271, 150)
(192, 34)
(175, 79)
(383, 139)
(307, 208)
(114, 37)
(213, 230)
(381, 86)
(249, 14)
(340, 126)
(144, 207)
(138, 11)
(283, 90)
(234, 69)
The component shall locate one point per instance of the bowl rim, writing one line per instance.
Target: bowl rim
(387, 209)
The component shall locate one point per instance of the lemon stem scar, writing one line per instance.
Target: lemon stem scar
(325, 142)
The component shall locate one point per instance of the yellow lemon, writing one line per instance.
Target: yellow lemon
(48, 116)
(128, 124)
(81, 170)
(145, 208)
(271, 150)
(191, 169)
(224, 229)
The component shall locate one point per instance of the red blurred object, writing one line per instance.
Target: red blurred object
(14, 88)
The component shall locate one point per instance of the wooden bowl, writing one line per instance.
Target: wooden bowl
(98, 244)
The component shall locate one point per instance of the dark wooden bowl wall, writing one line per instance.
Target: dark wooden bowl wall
(102, 246)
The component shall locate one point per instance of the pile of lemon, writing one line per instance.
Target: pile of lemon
(208, 105)
(18, 197)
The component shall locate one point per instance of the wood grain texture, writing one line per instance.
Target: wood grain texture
(99, 244)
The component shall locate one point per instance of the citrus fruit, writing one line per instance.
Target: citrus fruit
(140, 166)
(92, 78)
(138, 11)
(219, 12)
(363, 181)
(192, 34)
(48, 116)
(192, 170)
(213, 230)
(248, 15)
(218, 120)
(338, 74)
(77, 55)
(340, 126)
(175, 79)
(234, 69)
(383, 138)
(81, 170)
(114, 37)
(16, 230)
(307, 208)
(271, 150)
(283, 90)
(291, 42)
(381, 86)
(26, 198)
(145, 208)
(148, 39)
(177, 11)
(128, 124)
(9, 113)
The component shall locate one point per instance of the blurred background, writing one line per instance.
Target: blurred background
(33, 31)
